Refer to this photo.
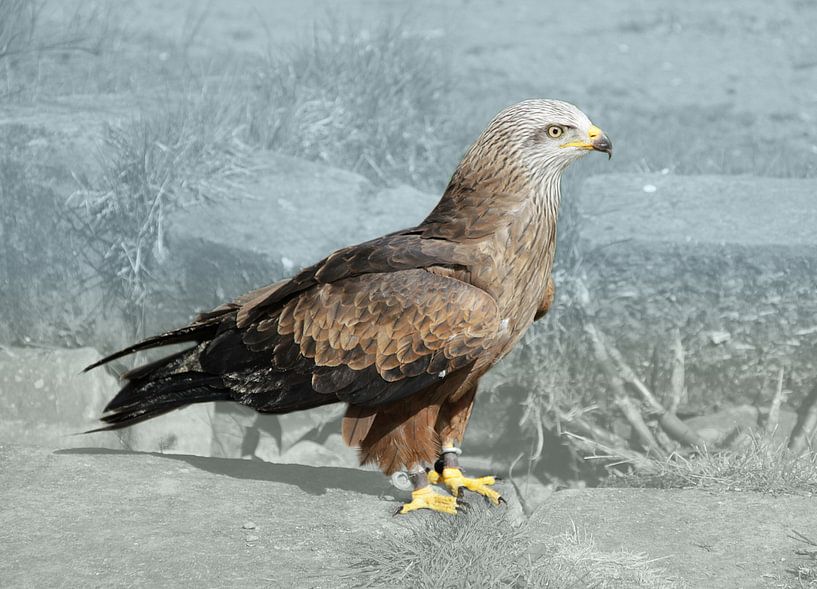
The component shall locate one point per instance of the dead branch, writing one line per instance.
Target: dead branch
(630, 377)
(633, 415)
(589, 429)
(622, 373)
(666, 442)
(606, 355)
(774, 409)
(622, 399)
(803, 432)
(678, 375)
(678, 430)
(591, 448)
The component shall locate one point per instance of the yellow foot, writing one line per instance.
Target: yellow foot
(426, 498)
(455, 481)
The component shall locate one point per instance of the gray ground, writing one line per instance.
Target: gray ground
(97, 518)
(705, 539)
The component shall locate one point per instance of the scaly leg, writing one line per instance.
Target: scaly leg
(424, 497)
(447, 471)
(451, 424)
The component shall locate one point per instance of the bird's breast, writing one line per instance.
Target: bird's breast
(522, 255)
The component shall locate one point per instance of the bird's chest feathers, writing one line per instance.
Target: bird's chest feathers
(523, 250)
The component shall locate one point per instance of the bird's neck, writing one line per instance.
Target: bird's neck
(548, 195)
(478, 203)
(509, 228)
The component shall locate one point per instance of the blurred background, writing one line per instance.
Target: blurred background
(159, 158)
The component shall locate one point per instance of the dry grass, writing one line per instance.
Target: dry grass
(806, 569)
(328, 100)
(483, 549)
(759, 464)
(375, 102)
(40, 55)
(17, 25)
(151, 166)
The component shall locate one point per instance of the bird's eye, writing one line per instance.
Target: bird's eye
(555, 131)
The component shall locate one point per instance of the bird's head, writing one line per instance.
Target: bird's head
(538, 137)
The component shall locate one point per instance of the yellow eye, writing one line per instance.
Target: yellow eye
(555, 131)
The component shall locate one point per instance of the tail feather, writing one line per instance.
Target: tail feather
(161, 367)
(158, 406)
(161, 387)
(197, 332)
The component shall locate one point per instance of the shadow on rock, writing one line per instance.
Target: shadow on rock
(314, 480)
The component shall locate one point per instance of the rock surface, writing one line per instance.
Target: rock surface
(729, 260)
(716, 427)
(47, 384)
(93, 518)
(703, 539)
(699, 210)
(118, 519)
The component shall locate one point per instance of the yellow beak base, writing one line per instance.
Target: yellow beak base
(597, 141)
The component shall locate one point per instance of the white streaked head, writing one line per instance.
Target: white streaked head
(547, 135)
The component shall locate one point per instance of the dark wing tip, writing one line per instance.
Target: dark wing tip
(112, 357)
(93, 431)
(90, 367)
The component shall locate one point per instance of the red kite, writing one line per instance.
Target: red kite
(400, 328)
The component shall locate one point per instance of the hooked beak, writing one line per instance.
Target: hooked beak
(598, 141)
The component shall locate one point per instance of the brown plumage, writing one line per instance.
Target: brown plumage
(401, 328)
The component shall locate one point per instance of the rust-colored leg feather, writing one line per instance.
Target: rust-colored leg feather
(388, 437)
(453, 418)
(356, 424)
(394, 442)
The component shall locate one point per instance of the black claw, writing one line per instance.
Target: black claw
(463, 504)
(496, 478)
(439, 466)
(501, 499)
(396, 513)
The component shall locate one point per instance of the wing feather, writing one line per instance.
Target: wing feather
(368, 325)
(391, 253)
(411, 329)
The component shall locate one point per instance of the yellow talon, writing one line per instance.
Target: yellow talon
(426, 498)
(454, 480)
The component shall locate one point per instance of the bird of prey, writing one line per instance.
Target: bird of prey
(400, 328)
